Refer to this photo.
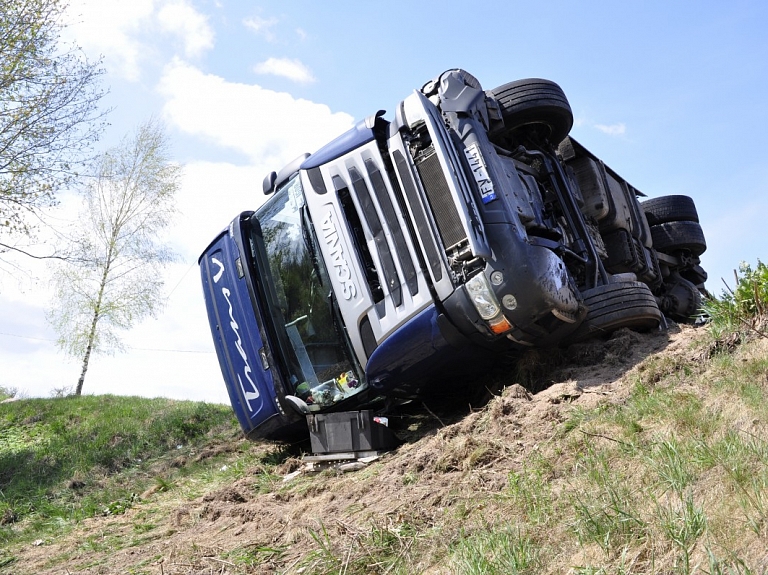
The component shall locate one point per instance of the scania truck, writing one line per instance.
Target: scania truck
(418, 246)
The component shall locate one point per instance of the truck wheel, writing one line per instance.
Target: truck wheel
(535, 102)
(613, 306)
(673, 236)
(670, 209)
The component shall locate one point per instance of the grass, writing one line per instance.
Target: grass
(673, 479)
(668, 480)
(505, 550)
(742, 307)
(66, 459)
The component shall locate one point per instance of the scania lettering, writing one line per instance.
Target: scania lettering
(348, 290)
(466, 226)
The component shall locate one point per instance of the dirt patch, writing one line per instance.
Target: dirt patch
(454, 456)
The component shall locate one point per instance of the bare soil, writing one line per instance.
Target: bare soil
(456, 454)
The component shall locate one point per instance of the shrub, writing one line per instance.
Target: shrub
(745, 306)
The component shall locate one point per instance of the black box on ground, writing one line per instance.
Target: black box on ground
(349, 431)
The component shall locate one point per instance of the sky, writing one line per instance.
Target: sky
(671, 97)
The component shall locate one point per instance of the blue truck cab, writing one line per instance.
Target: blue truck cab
(273, 320)
(409, 250)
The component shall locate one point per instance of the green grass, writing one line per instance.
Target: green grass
(529, 492)
(501, 550)
(65, 459)
(380, 547)
(741, 308)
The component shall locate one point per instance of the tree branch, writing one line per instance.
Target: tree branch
(51, 257)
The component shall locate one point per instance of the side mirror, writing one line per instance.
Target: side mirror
(269, 183)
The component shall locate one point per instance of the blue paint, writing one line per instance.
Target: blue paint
(417, 355)
(236, 336)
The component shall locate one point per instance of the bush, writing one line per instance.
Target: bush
(746, 306)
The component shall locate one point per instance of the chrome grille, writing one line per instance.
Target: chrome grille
(439, 196)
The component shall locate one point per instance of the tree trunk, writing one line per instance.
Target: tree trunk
(94, 323)
(87, 357)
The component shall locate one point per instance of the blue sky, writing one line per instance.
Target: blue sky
(671, 95)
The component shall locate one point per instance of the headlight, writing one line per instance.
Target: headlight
(482, 297)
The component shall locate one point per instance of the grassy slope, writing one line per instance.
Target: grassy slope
(667, 474)
(66, 459)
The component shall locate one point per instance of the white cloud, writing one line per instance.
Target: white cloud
(179, 18)
(291, 69)
(270, 127)
(236, 189)
(109, 27)
(125, 32)
(612, 129)
(262, 26)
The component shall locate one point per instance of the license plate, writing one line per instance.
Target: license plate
(477, 165)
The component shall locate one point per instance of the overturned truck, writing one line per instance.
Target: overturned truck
(466, 226)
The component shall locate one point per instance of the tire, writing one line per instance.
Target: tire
(535, 102)
(613, 306)
(670, 209)
(674, 236)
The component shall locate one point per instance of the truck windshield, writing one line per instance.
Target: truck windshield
(310, 336)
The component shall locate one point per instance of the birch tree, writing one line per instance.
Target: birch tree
(118, 280)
